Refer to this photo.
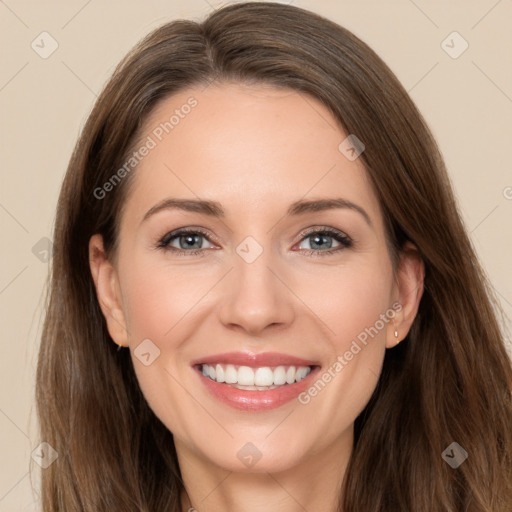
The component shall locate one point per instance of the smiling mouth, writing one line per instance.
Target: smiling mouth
(262, 378)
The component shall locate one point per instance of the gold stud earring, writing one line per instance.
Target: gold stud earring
(396, 334)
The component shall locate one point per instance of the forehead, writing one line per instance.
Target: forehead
(252, 148)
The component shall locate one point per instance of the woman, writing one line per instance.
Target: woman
(257, 369)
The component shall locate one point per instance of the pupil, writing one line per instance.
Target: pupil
(320, 237)
(190, 238)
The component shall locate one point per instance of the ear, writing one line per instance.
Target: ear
(408, 291)
(107, 290)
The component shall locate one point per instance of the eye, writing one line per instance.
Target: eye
(319, 238)
(186, 239)
(189, 241)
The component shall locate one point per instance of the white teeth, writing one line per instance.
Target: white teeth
(254, 388)
(279, 376)
(219, 373)
(290, 375)
(301, 373)
(245, 377)
(230, 374)
(264, 377)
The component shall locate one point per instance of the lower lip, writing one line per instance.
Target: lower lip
(253, 400)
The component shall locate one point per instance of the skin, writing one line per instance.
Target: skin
(256, 150)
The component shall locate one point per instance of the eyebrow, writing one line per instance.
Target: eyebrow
(214, 208)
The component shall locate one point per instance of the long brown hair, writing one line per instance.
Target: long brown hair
(449, 380)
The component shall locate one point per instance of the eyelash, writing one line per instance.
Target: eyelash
(345, 241)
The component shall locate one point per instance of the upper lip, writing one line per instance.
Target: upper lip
(255, 360)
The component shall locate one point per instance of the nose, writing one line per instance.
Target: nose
(256, 297)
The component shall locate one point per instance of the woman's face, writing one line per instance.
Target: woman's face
(293, 303)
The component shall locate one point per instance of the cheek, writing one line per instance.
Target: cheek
(349, 300)
(157, 297)
(356, 310)
(158, 303)
(161, 304)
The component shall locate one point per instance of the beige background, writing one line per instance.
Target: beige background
(467, 101)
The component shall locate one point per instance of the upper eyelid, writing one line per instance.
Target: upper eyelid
(175, 233)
